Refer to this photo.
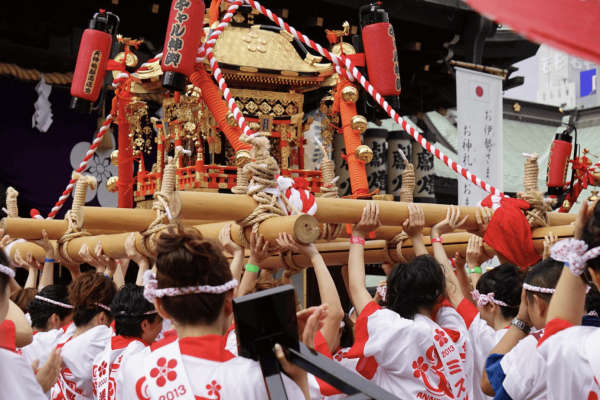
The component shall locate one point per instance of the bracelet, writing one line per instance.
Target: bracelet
(521, 325)
(49, 260)
(357, 240)
(118, 261)
(109, 277)
(252, 268)
(437, 240)
(476, 270)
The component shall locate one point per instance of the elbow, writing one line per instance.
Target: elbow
(486, 387)
(23, 337)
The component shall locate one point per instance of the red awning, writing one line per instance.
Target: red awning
(572, 26)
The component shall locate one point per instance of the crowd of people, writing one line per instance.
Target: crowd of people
(435, 329)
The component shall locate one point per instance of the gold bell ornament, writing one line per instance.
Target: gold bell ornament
(364, 153)
(114, 158)
(111, 184)
(230, 118)
(242, 157)
(593, 197)
(359, 123)
(350, 93)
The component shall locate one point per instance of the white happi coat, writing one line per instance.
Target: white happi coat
(525, 370)
(572, 356)
(17, 380)
(78, 355)
(211, 372)
(483, 338)
(107, 376)
(42, 345)
(406, 352)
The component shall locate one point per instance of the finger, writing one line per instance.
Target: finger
(252, 239)
(44, 235)
(376, 213)
(448, 213)
(285, 364)
(34, 365)
(478, 218)
(461, 223)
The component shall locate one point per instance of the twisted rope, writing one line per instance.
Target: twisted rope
(330, 190)
(408, 184)
(395, 241)
(285, 258)
(531, 172)
(241, 182)
(62, 244)
(11, 203)
(161, 205)
(539, 206)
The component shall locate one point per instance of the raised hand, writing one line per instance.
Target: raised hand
(451, 223)
(4, 240)
(483, 216)
(416, 220)
(549, 241)
(84, 252)
(287, 242)
(131, 250)
(111, 265)
(369, 221)
(44, 243)
(228, 244)
(259, 251)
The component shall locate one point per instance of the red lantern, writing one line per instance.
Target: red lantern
(184, 34)
(558, 163)
(381, 53)
(94, 53)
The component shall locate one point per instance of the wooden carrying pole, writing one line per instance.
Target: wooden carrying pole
(336, 253)
(31, 229)
(303, 228)
(194, 205)
(25, 247)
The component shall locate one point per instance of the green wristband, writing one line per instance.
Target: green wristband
(252, 268)
(476, 270)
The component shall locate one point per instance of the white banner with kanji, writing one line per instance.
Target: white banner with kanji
(479, 109)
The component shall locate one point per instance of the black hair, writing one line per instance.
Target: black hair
(347, 339)
(418, 284)
(40, 311)
(129, 308)
(592, 300)
(4, 279)
(87, 293)
(545, 274)
(506, 282)
(591, 236)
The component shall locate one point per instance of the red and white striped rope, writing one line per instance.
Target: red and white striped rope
(90, 153)
(343, 61)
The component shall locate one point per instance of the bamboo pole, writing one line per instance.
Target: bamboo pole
(220, 206)
(303, 228)
(38, 252)
(31, 229)
(337, 253)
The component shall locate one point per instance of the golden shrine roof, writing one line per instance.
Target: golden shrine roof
(265, 50)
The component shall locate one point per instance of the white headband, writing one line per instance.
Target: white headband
(593, 313)
(532, 288)
(483, 299)
(57, 303)
(103, 306)
(151, 290)
(146, 313)
(351, 311)
(342, 324)
(7, 271)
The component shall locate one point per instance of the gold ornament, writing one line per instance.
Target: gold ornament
(350, 93)
(114, 158)
(593, 197)
(359, 123)
(230, 118)
(596, 174)
(111, 184)
(364, 153)
(242, 157)
(566, 205)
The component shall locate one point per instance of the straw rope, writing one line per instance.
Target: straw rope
(395, 241)
(11, 203)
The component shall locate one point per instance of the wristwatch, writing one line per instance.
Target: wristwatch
(521, 325)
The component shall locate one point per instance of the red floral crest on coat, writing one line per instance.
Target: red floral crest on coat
(163, 371)
(440, 337)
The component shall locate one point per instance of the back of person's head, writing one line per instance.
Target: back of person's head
(592, 300)
(21, 297)
(544, 275)
(88, 293)
(591, 236)
(506, 282)
(184, 259)
(130, 310)
(41, 310)
(418, 284)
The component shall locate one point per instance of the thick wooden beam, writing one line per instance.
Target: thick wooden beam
(31, 229)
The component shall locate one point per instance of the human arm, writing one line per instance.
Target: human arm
(74, 268)
(356, 262)
(461, 275)
(47, 277)
(413, 227)
(237, 251)
(483, 217)
(48, 374)
(258, 253)
(84, 253)
(23, 331)
(346, 281)
(109, 263)
(33, 272)
(512, 337)
(136, 257)
(327, 289)
(568, 299)
(448, 225)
